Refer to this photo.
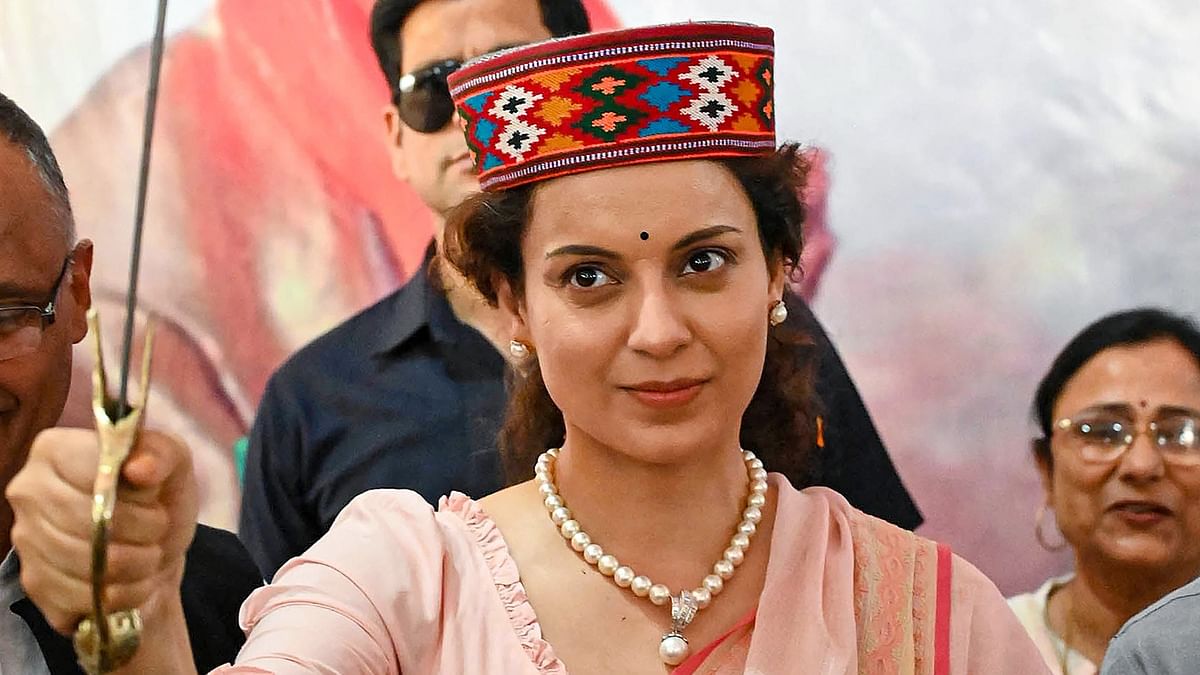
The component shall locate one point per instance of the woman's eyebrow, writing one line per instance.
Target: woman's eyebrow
(700, 235)
(584, 250)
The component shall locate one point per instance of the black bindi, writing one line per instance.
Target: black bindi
(645, 236)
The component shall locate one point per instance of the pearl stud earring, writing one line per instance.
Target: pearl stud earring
(779, 313)
(519, 350)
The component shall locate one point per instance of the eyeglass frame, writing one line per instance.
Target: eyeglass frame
(1136, 429)
(48, 312)
(408, 82)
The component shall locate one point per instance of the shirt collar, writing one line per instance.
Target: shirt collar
(421, 304)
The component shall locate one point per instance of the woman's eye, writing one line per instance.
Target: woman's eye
(704, 261)
(1102, 432)
(588, 277)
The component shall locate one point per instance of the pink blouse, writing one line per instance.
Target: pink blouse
(396, 587)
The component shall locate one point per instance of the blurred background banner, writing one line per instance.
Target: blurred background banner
(1001, 173)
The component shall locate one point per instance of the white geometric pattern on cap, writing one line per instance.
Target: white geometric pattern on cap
(711, 109)
(518, 138)
(711, 65)
(512, 103)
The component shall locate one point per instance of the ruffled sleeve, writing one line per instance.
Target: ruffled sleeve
(363, 599)
(507, 579)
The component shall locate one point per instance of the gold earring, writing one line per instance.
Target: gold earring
(778, 314)
(1039, 531)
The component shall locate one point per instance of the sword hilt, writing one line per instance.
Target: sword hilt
(104, 645)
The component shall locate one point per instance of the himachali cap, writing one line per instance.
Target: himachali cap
(680, 91)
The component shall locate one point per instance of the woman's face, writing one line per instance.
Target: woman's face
(1136, 509)
(646, 300)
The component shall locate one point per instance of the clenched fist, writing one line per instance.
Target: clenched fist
(153, 524)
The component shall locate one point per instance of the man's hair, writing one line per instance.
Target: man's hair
(19, 129)
(561, 18)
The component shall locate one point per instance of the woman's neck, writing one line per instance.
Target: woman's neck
(671, 520)
(1098, 601)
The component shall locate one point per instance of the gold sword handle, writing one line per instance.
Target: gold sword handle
(103, 645)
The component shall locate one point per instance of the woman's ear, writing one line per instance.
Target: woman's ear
(777, 280)
(1045, 466)
(512, 308)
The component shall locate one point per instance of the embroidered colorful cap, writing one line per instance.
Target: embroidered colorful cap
(679, 91)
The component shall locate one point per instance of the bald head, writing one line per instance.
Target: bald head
(19, 129)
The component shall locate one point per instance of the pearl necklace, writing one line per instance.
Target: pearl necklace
(674, 646)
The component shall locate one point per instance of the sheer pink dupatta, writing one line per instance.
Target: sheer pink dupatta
(849, 593)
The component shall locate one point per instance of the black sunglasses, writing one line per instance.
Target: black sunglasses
(423, 98)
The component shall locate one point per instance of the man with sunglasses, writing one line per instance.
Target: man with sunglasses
(45, 293)
(410, 393)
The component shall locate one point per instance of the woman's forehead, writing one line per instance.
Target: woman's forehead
(664, 200)
(1156, 373)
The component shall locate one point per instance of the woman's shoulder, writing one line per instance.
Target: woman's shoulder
(878, 544)
(866, 531)
(384, 528)
(394, 578)
(386, 513)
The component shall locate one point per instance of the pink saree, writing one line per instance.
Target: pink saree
(848, 593)
(398, 588)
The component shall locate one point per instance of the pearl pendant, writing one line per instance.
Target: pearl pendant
(673, 649)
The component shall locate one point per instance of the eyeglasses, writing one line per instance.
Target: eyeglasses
(1103, 438)
(22, 326)
(423, 97)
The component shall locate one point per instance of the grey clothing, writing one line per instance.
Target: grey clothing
(19, 651)
(1164, 639)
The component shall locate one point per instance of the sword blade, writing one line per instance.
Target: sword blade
(139, 220)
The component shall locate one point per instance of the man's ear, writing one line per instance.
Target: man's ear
(394, 133)
(79, 285)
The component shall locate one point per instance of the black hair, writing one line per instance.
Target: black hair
(561, 18)
(1130, 327)
(18, 128)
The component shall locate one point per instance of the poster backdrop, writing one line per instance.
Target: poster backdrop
(1001, 174)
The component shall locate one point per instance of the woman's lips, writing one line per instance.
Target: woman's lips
(1141, 513)
(672, 394)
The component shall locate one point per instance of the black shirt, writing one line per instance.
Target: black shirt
(404, 395)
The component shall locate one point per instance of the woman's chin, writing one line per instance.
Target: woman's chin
(666, 446)
(1143, 552)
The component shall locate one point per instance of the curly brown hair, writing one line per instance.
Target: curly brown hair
(482, 240)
